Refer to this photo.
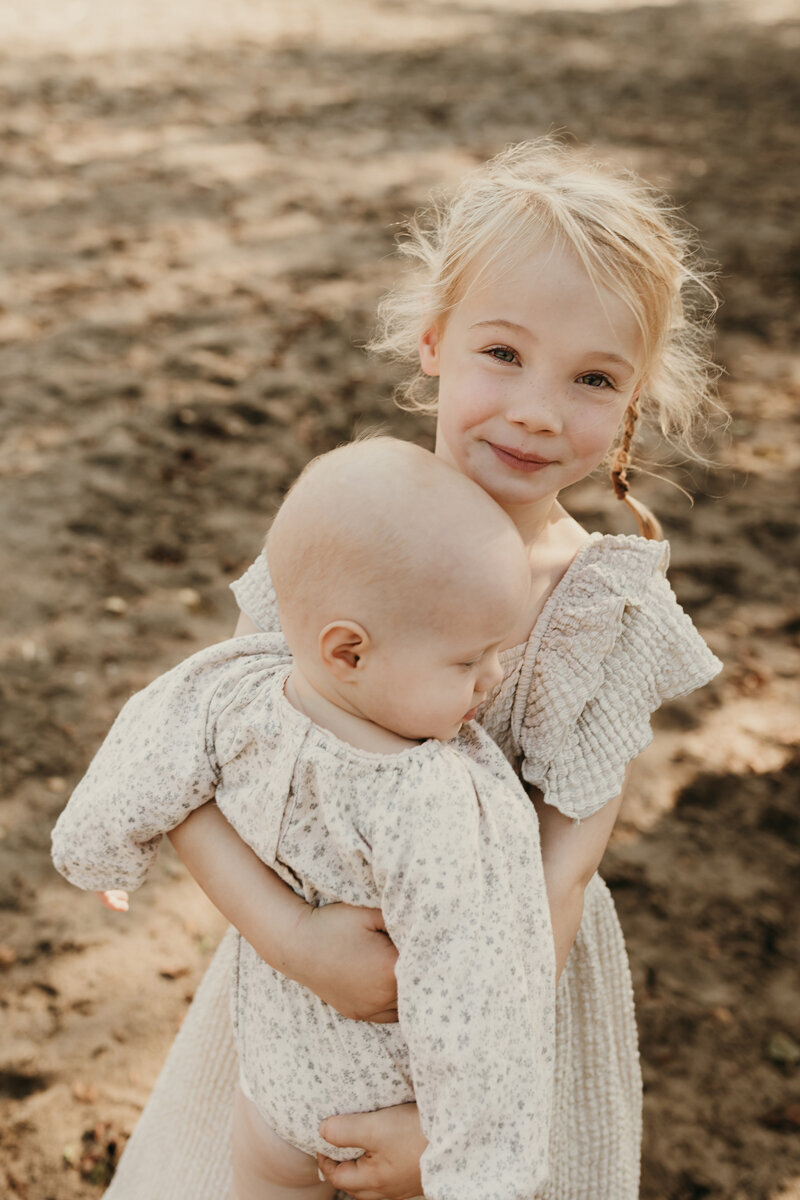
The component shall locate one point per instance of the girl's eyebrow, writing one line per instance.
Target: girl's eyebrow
(505, 324)
(608, 355)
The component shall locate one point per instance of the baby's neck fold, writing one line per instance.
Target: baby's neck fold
(340, 719)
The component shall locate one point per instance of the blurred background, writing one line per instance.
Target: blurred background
(197, 210)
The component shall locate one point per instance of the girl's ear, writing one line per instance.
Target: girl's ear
(429, 351)
(342, 646)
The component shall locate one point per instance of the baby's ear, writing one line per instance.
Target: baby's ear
(342, 645)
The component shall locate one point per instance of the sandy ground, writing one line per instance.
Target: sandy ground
(196, 206)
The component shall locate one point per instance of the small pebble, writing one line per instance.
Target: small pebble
(115, 604)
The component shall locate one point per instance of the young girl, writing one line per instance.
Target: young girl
(347, 756)
(553, 303)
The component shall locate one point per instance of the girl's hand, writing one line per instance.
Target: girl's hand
(393, 1145)
(117, 900)
(340, 953)
(348, 961)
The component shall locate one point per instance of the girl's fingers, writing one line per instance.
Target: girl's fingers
(352, 1176)
(393, 1144)
(357, 1176)
(348, 1129)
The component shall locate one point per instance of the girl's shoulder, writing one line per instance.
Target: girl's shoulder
(610, 645)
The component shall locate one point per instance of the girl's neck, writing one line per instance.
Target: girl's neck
(346, 724)
(553, 538)
(535, 521)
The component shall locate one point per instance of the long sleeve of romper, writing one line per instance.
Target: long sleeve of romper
(464, 901)
(157, 764)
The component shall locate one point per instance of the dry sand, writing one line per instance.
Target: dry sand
(197, 205)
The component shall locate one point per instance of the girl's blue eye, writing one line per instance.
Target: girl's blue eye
(503, 354)
(596, 380)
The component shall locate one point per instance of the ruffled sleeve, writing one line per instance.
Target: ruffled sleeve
(610, 647)
(255, 595)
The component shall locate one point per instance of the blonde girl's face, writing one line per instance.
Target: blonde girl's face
(536, 369)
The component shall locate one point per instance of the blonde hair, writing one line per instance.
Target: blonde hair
(628, 240)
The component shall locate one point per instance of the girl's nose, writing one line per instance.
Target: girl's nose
(538, 410)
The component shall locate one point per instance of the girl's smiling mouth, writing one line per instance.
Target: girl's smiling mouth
(518, 460)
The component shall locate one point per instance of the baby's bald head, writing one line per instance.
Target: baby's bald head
(383, 533)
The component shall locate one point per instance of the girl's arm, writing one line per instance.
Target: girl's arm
(340, 953)
(571, 853)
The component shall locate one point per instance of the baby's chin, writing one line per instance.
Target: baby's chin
(452, 731)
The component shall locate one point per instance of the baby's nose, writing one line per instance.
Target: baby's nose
(491, 675)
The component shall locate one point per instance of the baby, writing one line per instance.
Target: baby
(347, 758)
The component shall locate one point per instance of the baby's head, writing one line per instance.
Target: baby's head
(626, 240)
(397, 580)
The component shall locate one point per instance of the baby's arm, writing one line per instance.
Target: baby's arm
(115, 899)
(224, 887)
(151, 770)
(339, 952)
(475, 978)
(392, 1138)
(571, 853)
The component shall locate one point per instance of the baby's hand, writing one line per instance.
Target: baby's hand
(117, 901)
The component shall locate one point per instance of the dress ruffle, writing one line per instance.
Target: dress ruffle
(610, 646)
(255, 595)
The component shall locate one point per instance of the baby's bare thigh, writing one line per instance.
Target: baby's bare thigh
(264, 1165)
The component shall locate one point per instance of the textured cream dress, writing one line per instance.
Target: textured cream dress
(571, 713)
(440, 836)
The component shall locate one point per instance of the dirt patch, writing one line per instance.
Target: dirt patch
(197, 216)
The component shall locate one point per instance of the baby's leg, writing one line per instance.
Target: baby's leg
(264, 1166)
